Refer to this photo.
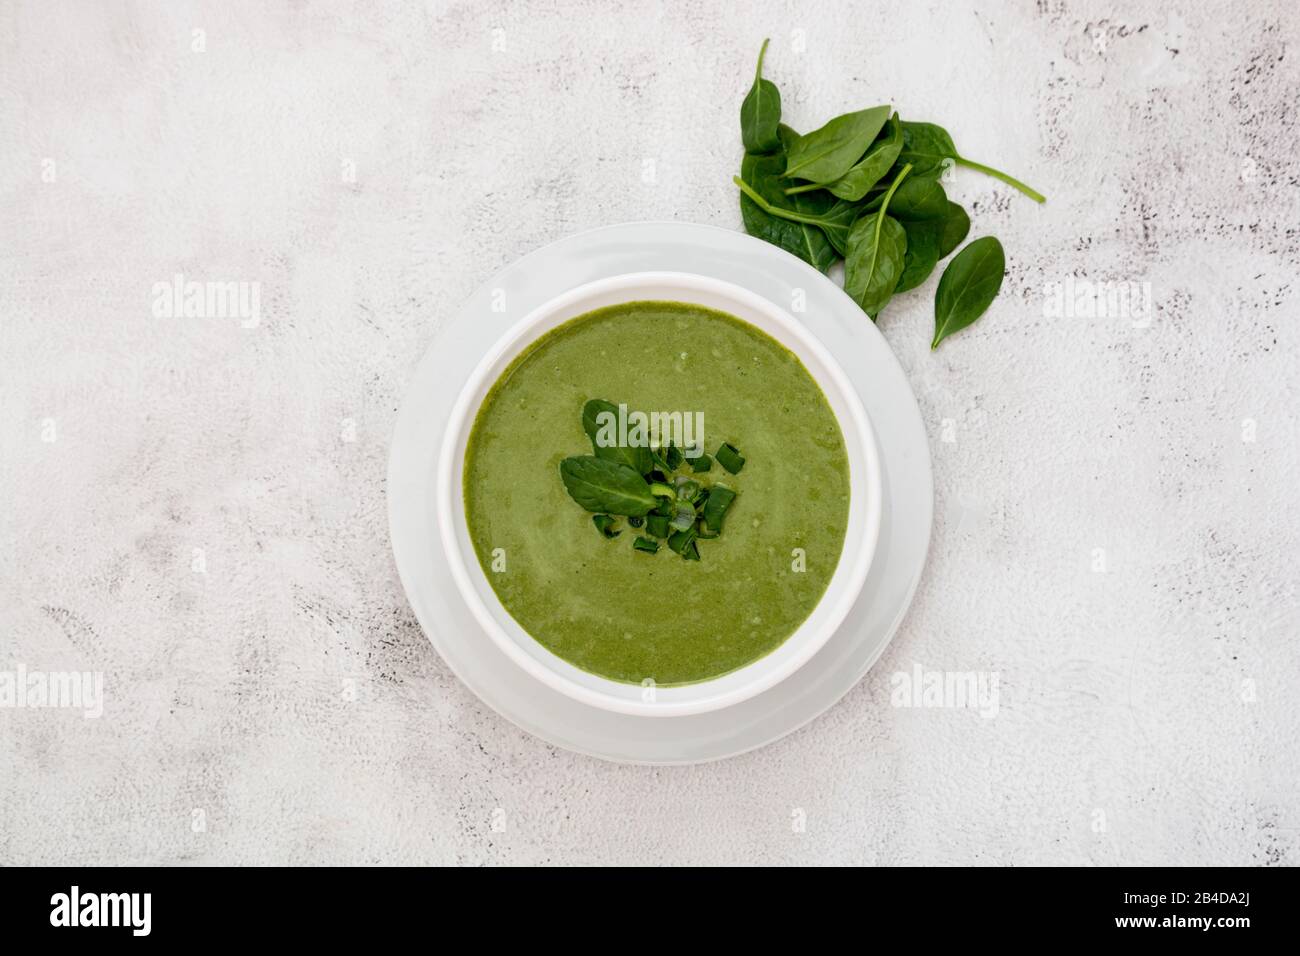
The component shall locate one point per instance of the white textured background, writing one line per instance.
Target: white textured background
(1148, 713)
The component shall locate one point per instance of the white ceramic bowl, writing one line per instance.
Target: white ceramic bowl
(860, 536)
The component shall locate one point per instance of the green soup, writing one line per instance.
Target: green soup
(604, 606)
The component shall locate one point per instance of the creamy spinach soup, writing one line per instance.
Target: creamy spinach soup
(602, 591)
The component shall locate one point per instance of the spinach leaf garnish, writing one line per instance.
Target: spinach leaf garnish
(606, 487)
(663, 491)
(635, 456)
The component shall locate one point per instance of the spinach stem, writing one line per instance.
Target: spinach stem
(758, 70)
(805, 188)
(771, 210)
(1033, 194)
(892, 186)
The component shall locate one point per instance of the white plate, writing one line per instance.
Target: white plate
(863, 354)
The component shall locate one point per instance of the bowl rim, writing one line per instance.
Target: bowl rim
(855, 556)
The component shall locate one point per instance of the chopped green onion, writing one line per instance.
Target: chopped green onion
(702, 463)
(720, 499)
(687, 490)
(636, 521)
(604, 524)
(685, 516)
(673, 457)
(648, 545)
(657, 525)
(661, 490)
(729, 458)
(683, 542)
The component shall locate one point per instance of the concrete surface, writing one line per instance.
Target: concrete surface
(194, 507)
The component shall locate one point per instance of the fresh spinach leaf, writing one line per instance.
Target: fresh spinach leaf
(815, 238)
(919, 199)
(967, 287)
(606, 487)
(867, 171)
(877, 245)
(760, 112)
(922, 255)
(805, 240)
(835, 223)
(956, 225)
(926, 146)
(838, 221)
(826, 154)
(929, 241)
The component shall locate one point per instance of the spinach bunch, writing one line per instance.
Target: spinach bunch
(865, 189)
